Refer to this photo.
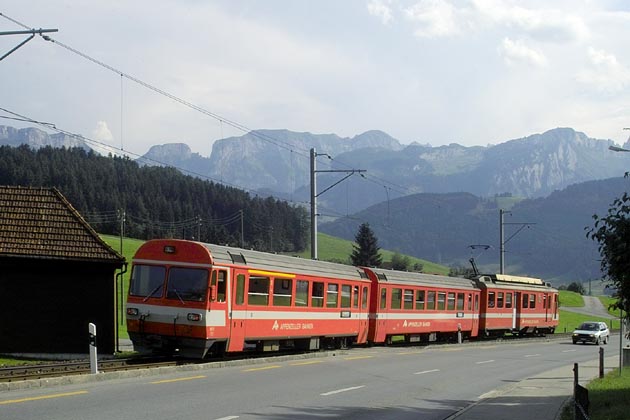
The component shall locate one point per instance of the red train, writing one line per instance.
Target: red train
(196, 299)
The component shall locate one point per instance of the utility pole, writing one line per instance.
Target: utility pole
(32, 32)
(242, 243)
(121, 215)
(501, 235)
(314, 195)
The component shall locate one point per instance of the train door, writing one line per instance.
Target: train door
(359, 307)
(380, 316)
(218, 317)
(365, 312)
(514, 305)
(473, 299)
(238, 311)
(517, 311)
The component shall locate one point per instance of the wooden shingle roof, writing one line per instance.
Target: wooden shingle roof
(41, 223)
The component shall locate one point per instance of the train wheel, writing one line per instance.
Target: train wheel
(217, 350)
(341, 343)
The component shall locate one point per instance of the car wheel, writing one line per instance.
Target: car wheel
(606, 340)
(597, 341)
(574, 341)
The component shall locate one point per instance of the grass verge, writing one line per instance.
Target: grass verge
(608, 397)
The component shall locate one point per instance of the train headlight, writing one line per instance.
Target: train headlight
(194, 317)
(132, 311)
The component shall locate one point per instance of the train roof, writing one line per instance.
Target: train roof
(511, 282)
(282, 263)
(420, 279)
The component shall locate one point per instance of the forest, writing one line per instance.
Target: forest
(115, 194)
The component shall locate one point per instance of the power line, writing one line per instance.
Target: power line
(281, 144)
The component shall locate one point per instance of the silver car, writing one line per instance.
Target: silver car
(591, 332)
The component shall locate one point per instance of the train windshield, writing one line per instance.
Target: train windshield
(147, 281)
(187, 284)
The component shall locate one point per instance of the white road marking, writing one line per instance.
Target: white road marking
(325, 394)
(427, 371)
(485, 361)
(227, 418)
(532, 355)
(567, 351)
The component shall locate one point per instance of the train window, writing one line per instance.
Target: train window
(147, 281)
(301, 293)
(525, 300)
(441, 301)
(187, 284)
(532, 301)
(419, 300)
(450, 303)
(383, 298)
(476, 303)
(408, 299)
(544, 300)
(355, 297)
(317, 298)
(500, 300)
(364, 298)
(508, 300)
(332, 296)
(240, 289)
(460, 301)
(431, 300)
(469, 302)
(491, 298)
(346, 295)
(282, 292)
(221, 286)
(396, 298)
(258, 292)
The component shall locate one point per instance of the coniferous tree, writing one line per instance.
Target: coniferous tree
(366, 250)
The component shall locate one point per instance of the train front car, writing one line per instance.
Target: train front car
(192, 299)
(172, 306)
(421, 307)
(517, 305)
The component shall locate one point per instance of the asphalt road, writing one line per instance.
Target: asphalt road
(592, 307)
(364, 383)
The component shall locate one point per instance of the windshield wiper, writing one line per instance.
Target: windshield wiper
(159, 286)
(180, 298)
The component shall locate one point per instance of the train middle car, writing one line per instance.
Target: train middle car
(517, 305)
(192, 298)
(421, 307)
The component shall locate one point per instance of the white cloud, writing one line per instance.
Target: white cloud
(102, 133)
(437, 18)
(381, 10)
(605, 74)
(516, 52)
(551, 25)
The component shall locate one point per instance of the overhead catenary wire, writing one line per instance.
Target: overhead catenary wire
(402, 190)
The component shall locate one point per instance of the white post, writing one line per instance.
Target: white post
(93, 359)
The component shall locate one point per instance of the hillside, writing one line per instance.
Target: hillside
(442, 227)
(154, 201)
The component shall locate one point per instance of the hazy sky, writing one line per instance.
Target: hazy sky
(474, 72)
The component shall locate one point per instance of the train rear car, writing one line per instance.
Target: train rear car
(517, 305)
(193, 299)
(421, 307)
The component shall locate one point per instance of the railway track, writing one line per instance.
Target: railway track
(41, 371)
(51, 370)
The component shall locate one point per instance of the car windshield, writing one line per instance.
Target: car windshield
(589, 327)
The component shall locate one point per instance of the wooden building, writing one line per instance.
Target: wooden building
(56, 276)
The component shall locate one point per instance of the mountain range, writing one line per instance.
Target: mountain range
(276, 162)
(430, 202)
